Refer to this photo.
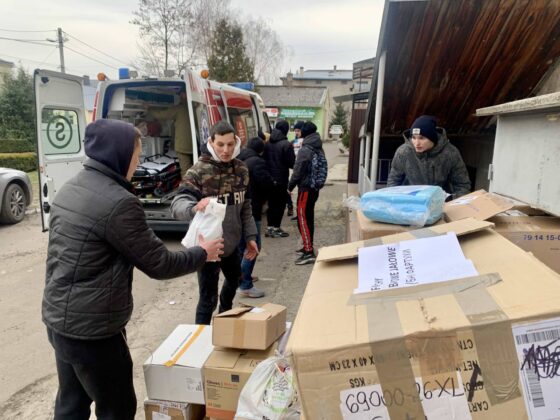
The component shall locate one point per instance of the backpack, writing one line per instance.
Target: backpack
(318, 170)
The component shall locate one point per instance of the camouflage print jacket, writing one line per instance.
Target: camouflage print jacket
(226, 181)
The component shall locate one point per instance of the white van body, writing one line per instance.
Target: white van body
(61, 122)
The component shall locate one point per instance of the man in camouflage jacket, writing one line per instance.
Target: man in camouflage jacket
(219, 174)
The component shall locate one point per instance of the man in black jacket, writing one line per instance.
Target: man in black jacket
(280, 158)
(98, 234)
(308, 188)
(260, 184)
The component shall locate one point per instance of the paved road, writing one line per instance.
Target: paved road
(28, 380)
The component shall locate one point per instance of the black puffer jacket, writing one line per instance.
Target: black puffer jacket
(279, 156)
(98, 234)
(260, 180)
(302, 170)
(442, 165)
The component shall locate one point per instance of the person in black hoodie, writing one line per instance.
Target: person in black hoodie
(280, 158)
(308, 192)
(98, 234)
(260, 183)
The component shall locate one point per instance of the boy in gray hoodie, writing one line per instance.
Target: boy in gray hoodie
(219, 174)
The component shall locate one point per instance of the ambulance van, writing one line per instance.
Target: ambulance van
(61, 122)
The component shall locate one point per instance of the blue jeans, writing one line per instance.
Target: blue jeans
(247, 266)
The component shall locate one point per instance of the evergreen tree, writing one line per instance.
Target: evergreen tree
(340, 117)
(228, 61)
(17, 110)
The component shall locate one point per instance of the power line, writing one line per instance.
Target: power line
(16, 30)
(90, 58)
(27, 41)
(98, 50)
(32, 61)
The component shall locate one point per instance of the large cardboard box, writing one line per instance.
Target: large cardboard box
(249, 327)
(479, 205)
(171, 410)
(539, 235)
(225, 373)
(469, 348)
(174, 371)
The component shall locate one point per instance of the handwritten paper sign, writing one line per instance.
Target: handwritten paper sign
(413, 262)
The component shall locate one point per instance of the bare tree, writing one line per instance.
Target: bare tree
(264, 49)
(160, 23)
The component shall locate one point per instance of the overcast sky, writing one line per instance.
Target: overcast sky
(318, 33)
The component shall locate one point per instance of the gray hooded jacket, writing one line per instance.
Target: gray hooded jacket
(442, 165)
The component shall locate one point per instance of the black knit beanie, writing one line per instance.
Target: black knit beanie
(308, 128)
(425, 125)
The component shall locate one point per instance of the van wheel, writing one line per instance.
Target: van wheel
(13, 205)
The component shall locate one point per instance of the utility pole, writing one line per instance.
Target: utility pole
(61, 49)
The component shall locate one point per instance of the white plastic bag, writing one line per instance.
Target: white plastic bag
(269, 393)
(207, 223)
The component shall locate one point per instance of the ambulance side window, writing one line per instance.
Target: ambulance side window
(244, 122)
(202, 123)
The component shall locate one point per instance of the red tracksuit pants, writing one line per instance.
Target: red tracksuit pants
(306, 217)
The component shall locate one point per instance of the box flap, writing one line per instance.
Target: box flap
(235, 311)
(222, 358)
(479, 205)
(350, 250)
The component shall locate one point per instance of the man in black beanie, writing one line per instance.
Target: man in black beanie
(310, 174)
(98, 234)
(280, 158)
(427, 158)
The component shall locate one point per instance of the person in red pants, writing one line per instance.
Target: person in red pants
(309, 175)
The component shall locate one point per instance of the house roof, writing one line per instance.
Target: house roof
(293, 96)
(449, 58)
(331, 74)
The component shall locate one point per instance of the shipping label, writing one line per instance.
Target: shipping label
(441, 399)
(538, 351)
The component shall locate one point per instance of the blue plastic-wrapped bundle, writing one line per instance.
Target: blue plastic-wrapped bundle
(415, 205)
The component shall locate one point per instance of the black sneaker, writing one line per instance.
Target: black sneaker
(281, 233)
(306, 258)
(269, 233)
(300, 251)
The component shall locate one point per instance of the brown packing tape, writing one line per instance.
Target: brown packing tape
(238, 333)
(424, 291)
(425, 233)
(497, 356)
(392, 360)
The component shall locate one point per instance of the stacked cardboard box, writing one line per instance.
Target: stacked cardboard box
(480, 348)
(247, 335)
(531, 229)
(173, 373)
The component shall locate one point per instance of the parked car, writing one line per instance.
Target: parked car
(15, 193)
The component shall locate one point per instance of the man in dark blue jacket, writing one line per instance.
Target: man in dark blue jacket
(280, 158)
(98, 234)
(260, 184)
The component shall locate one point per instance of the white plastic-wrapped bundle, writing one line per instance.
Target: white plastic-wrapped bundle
(415, 205)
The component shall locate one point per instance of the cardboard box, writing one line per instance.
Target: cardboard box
(174, 371)
(444, 352)
(479, 205)
(249, 327)
(368, 229)
(171, 410)
(539, 235)
(225, 373)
